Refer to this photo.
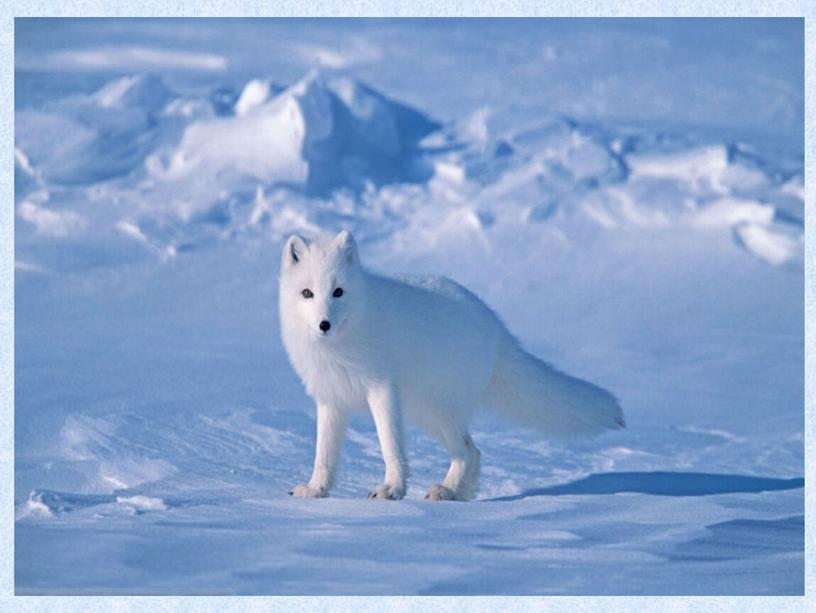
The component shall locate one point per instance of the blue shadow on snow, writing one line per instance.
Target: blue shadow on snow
(662, 484)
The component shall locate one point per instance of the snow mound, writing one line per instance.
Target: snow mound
(48, 221)
(330, 152)
(83, 140)
(255, 93)
(145, 91)
(702, 168)
(142, 503)
(317, 135)
(43, 503)
(772, 246)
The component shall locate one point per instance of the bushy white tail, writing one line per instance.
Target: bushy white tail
(530, 391)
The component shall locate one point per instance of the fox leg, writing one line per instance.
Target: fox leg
(331, 426)
(386, 411)
(463, 475)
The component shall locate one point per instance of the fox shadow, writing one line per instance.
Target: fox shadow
(661, 484)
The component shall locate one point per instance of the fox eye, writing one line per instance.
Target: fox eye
(307, 293)
(338, 292)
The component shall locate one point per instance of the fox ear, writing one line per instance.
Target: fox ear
(346, 246)
(294, 250)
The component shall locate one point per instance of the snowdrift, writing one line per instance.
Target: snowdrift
(318, 135)
(81, 140)
(329, 152)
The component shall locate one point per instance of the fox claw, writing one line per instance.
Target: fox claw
(387, 492)
(306, 491)
(440, 492)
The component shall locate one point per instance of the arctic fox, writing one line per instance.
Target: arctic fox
(423, 349)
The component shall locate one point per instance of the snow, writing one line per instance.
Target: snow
(628, 195)
(255, 93)
(774, 247)
(131, 57)
(46, 221)
(142, 503)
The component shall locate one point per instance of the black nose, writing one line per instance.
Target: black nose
(325, 325)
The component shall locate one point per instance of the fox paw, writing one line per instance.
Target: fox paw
(306, 491)
(440, 492)
(388, 492)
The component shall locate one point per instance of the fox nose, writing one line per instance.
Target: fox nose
(325, 325)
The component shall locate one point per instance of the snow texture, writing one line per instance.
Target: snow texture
(627, 195)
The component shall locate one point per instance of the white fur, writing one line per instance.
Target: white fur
(423, 348)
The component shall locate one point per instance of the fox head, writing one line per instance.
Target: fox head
(319, 283)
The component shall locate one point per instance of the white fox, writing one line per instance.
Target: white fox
(424, 349)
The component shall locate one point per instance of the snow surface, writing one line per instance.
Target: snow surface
(627, 194)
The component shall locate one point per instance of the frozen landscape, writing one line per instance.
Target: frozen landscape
(627, 195)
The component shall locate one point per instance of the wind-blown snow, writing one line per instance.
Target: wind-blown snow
(627, 195)
(317, 135)
(128, 58)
